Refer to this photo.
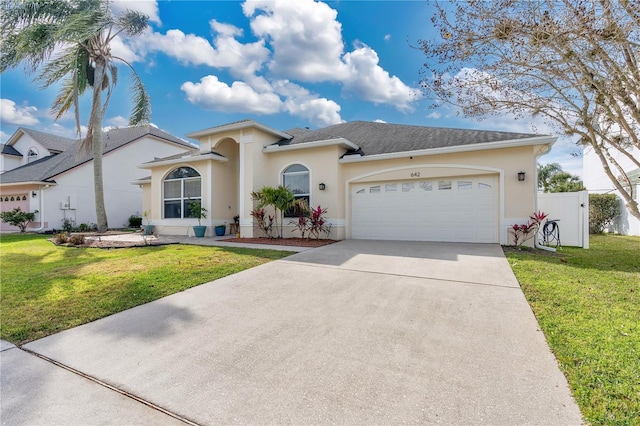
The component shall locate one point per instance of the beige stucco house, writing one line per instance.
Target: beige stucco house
(377, 180)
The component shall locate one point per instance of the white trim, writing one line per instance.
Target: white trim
(28, 182)
(238, 126)
(345, 143)
(186, 158)
(512, 143)
(502, 233)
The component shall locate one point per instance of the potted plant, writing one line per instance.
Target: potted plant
(196, 210)
(220, 230)
(148, 228)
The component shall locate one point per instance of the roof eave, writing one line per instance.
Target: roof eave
(342, 142)
(29, 182)
(185, 159)
(238, 126)
(511, 143)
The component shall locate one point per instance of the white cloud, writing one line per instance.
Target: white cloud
(124, 51)
(379, 120)
(371, 82)
(387, 37)
(305, 36)
(302, 103)
(307, 43)
(211, 93)
(148, 7)
(435, 115)
(10, 113)
(190, 49)
(118, 121)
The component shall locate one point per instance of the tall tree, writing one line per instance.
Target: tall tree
(573, 62)
(68, 41)
(551, 178)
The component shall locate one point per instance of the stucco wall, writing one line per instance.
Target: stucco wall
(122, 199)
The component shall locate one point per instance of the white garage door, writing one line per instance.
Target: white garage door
(459, 209)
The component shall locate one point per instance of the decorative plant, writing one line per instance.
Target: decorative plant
(265, 223)
(135, 221)
(17, 217)
(311, 222)
(280, 198)
(196, 210)
(236, 219)
(523, 232)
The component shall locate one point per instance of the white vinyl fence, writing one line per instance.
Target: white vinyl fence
(571, 209)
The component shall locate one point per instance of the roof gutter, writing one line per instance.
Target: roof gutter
(342, 142)
(511, 143)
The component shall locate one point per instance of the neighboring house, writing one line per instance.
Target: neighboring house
(60, 184)
(377, 180)
(596, 181)
(26, 146)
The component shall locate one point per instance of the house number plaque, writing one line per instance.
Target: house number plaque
(415, 174)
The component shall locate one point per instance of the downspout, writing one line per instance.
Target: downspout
(544, 150)
(41, 210)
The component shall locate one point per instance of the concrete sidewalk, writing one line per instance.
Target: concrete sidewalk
(357, 332)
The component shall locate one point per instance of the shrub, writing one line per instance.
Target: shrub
(135, 221)
(603, 210)
(312, 222)
(522, 232)
(17, 217)
(62, 238)
(86, 227)
(265, 223)
(76, 240)
(67, 225)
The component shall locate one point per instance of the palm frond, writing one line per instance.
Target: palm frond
(141, 111)
(131, 23)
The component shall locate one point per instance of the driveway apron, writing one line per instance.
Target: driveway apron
(358, 332)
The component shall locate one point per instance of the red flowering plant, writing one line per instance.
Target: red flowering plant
(523, 232)
(265, 223)
(311, 222)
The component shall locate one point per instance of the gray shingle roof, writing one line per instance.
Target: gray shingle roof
(53, 143)
(47, 168)
(384, 138)
(10, 150)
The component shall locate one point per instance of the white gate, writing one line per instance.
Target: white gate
(572, 211)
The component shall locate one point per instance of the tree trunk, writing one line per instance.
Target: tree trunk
(97, 145)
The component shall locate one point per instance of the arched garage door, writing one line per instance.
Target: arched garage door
(456, 209)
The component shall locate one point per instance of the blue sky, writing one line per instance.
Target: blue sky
(284, 63)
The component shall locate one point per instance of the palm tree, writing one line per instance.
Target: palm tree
(69, 41)
(281, 198)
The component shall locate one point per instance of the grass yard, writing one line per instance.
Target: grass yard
(46, 289)
(588, 305)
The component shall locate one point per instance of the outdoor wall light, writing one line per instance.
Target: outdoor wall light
(322, 187)
(521, 176)
(33, 194)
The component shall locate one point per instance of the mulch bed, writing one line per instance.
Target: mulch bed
(297, 242)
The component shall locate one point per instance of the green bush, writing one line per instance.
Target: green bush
(17, 217)
(135, 221)
(603, 209)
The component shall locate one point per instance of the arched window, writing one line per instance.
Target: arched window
(181, 187)
(296, 178)
(32, 155)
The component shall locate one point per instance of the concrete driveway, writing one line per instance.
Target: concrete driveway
(358, 332)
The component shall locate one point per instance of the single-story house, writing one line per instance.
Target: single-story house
(59, 182)
(377, 180)
(597, 182)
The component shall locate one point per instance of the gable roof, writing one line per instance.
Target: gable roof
(9, 150)
(374, 138)
(238, 125)
(54, 143)
(45, 169)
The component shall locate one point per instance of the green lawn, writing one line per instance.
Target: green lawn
(46, 289)
(588, 305)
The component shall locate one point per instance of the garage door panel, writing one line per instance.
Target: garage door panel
(451, 209)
